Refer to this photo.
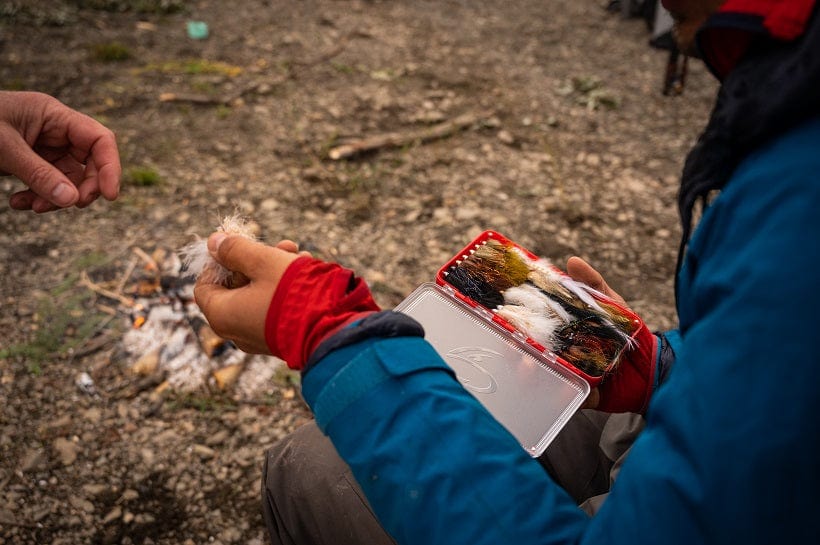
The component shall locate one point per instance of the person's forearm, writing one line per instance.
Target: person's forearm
(435, 466)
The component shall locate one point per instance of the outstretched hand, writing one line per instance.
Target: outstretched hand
(64, 157)
(238, 313)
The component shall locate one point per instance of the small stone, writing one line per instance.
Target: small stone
(506, 137)
(93, 415)
(129, 495)
(145, 518)
(94, 489)
(593, 160)
(81, 504)
(147, 456)
(33, 461)
(466, 213)
(230, 535)
(61, 426)
(218, 438)
(203, 451)
(113, 515)
(66, 450)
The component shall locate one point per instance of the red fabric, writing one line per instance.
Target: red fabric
(313, 300)
(629, 387)
(723, 46)
(784, 19)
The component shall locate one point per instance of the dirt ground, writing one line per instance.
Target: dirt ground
(572, 149)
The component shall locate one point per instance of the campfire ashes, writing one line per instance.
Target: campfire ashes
(170, 338)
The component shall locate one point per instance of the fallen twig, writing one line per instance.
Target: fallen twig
(88, 283)
(326, 56)
(219, 100)
(395, 139)
(92, 342)
(149, 261)
(126, 275)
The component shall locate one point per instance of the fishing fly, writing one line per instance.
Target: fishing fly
(576, 322)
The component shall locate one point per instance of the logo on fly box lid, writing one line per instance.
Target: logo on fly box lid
(467, 363)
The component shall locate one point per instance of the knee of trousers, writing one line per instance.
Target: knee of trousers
(301, 462)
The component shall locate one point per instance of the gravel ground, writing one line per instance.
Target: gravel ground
(572, 150)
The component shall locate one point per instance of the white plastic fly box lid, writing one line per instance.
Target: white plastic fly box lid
(525, 390)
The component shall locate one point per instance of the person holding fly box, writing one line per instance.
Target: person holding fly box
(729, 450)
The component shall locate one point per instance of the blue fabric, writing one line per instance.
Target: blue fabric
(729, 453)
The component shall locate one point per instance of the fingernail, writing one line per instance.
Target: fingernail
(62, 195)
(215, 240)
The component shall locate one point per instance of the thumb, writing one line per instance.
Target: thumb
(581, 271)
(249, 257)
(38, 174)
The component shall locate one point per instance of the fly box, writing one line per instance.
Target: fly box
(522, 337)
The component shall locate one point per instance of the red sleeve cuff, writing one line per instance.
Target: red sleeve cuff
(313, 300)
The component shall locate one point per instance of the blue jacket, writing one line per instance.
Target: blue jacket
(730, 450)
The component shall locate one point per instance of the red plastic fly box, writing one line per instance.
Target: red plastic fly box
(530, 388)
(593, 378)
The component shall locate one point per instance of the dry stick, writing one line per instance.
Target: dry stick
(145, 257)
(90, 344)
(224, 100)
(86, 281)
(126, 275)
(395, 139)
(324, 57)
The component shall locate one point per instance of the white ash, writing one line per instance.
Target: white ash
(189, 370)
(258, 377)
(154, 333)
(186, 365)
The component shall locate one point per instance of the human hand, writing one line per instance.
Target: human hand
(238, 313)
(290, 303)
(64, 157)
(628, 387)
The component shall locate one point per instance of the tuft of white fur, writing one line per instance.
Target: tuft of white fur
(195, 256)
(529, 296)
(539, 327)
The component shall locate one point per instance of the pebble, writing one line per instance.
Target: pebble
(203, 451)
(230, 535)
(218, 438)
(506, 137)
(66, 450)
(95, 489)
(113, 515)
(33, 460)
(147, 456)
(129, 495)
(93, 415)
(81, 504)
